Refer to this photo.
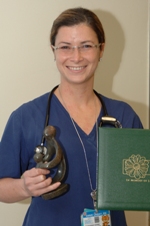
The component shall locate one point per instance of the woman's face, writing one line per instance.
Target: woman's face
(77, 65)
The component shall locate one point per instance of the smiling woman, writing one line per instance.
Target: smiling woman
(76, 55)
(77, 41)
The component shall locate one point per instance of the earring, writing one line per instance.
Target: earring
(100, 59)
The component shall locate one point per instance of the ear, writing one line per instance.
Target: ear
(102, 47)
(53, 52)
(52, 48)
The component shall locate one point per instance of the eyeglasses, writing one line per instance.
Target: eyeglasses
(67, 49)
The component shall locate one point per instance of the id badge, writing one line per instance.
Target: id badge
(95, 218)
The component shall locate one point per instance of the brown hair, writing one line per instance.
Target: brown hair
(76, 16)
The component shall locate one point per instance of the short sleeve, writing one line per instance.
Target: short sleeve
(12, 163)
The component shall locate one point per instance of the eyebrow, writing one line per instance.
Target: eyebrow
(64, 43)
(68, 43)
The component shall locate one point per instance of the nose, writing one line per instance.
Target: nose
(76, 54)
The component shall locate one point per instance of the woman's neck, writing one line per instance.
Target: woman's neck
(77, 95)
(82, 105)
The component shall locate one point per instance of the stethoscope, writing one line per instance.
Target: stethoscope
(51, 155)
(105, 120)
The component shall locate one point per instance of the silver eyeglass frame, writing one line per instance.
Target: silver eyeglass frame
(77, 47)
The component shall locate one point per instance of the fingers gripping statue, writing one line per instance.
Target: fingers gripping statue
(50, 157)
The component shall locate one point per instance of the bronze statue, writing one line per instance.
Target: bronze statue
(49, 157)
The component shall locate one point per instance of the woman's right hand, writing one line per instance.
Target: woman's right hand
(35, 182)
(32, 183)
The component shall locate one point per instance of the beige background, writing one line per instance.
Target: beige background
(27, 67)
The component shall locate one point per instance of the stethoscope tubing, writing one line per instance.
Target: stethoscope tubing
(106, 119)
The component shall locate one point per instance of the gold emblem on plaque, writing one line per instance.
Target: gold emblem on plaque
(136, 167)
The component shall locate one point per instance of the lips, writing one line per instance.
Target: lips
(76, 68)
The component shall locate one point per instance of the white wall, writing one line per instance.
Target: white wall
(27, 67)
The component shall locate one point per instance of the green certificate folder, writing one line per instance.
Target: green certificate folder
(123, 169)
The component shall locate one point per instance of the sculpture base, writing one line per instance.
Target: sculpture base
(63, 188)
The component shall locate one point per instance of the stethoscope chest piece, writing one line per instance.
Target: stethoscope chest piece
(50, 157)
(109, 120)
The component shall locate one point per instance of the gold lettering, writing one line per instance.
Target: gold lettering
(127, 179)
(135, 180)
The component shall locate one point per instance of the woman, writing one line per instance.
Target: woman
(77, 41)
